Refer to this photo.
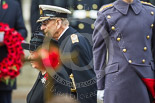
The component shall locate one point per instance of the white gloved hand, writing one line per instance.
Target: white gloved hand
(100, 94)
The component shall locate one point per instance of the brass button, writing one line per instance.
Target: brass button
(145, 48)
(109, 17)
(92, 26)
(143, 61)
(81, 26)
(80, 7)
(148, 37)
(152, 26)
(124, 50)
(152, 13)
(113, 28)
(118, 39)
(94, 6)
(130, 61)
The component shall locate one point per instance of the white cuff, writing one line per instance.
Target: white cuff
(100, 94)
(1, 37)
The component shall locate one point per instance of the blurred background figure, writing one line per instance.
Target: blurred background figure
(10, 13)
(19, 1)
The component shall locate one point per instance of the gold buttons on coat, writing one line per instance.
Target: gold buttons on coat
(130, 61)
(118, 39)
(145, 48)
(94, 6)
(152, 13)
(113, 28)
(152, 26)
(109, 17)
(80, 7)
(143, 61)
(148, 37)
(124, 50)
(81, 26)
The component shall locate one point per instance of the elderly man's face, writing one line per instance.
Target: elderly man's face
(49, 28)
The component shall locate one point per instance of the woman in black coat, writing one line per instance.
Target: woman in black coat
(36, 94)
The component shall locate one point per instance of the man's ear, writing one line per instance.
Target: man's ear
(58, 21)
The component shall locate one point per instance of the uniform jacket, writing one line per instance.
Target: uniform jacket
(12, 16)
(126, 32)
(82, 67)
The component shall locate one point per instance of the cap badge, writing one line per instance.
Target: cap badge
(41, 11)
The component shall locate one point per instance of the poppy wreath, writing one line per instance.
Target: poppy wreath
(10, 65)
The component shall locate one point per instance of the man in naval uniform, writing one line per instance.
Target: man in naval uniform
(56, 26)
(125, 29)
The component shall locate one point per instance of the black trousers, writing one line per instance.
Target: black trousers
(5, 96)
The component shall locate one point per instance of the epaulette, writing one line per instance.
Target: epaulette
(74, 38)
(105, 7)
(146, 3)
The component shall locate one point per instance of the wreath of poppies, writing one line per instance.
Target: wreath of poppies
(10, 65)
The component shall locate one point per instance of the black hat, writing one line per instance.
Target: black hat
(49, 12)
(36, 40)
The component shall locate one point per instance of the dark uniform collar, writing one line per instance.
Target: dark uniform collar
(68, 32)
(123, 7)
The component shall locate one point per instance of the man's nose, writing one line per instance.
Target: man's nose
(42, 27)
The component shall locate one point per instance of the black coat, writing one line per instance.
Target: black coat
(12, 16)
(37, 93)
(82, 66)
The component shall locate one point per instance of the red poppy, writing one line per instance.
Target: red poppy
(46, 76)
(4, 69)
(54, 59)
(4, 5)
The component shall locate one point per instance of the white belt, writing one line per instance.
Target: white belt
(81, 14)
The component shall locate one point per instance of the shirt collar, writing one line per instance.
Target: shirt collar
(63, 33)
(123, 7)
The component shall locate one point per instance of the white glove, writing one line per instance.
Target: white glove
(1, 37)
(100, 94)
